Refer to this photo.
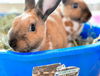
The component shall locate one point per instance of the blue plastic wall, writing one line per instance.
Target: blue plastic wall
(87, 58)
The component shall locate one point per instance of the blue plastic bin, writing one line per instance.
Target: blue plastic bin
(87, 58)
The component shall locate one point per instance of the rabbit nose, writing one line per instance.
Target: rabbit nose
(12, 43)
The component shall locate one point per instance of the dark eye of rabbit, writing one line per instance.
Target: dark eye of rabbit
(75, 5)
(32, 27)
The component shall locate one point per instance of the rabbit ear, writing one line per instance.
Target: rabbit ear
(46, 7)
(29, 4)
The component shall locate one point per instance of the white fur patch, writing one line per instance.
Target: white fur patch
(81, 28)
(76, 25)
(9, 32)
(66, 19)
(62, 8)
(70, 44)
(56, 12)
(50, 45)
(51, 19)
(68, 29)
(25, 15)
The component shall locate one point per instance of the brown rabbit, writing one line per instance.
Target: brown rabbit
(73, 13)
(30, 32)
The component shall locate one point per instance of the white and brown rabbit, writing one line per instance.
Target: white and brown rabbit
(31, 31)
(73, 13)
(78, 13)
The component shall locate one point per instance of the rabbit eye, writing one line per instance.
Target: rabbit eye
(75, 5)
(32, 27)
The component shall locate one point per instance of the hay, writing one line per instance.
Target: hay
(5, 24)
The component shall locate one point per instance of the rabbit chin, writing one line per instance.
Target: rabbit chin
(26, 50)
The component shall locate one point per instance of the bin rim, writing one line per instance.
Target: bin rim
(50, 53)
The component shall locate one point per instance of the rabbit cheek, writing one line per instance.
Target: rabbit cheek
(34, 40)
(85, 13)
(68, 11)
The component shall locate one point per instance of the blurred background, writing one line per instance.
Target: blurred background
(10, 8)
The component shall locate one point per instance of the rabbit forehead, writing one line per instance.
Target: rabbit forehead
(71, 1)
(25, 16)
(30, 14)
(68, 2)
(80, 2)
